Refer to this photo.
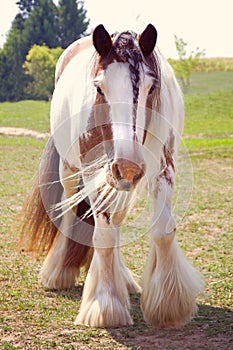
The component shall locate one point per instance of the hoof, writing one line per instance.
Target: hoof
(62, 279)
(164, 313)
(104, 311)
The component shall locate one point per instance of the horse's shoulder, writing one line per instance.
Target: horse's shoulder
(70, 52)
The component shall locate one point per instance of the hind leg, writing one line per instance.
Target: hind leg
(55, 272)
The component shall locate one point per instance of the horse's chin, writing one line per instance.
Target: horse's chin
(121, 185)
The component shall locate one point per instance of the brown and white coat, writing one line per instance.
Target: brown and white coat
(116, 123)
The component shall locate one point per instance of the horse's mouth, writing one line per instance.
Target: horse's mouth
(119, 185)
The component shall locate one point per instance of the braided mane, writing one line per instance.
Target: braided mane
(125, 49)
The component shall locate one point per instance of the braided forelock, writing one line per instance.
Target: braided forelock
(126, 49)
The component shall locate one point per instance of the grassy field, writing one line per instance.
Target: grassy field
(33, 317)
(25, 114)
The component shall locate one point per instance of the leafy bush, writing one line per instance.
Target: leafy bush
(40, 66)
(184, 66)
(214, 65)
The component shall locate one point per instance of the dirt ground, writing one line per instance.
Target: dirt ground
(9, 131)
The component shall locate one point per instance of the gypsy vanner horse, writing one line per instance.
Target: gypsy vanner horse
(116, 123)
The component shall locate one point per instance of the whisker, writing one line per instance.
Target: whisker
(93, 175)
(105, 203)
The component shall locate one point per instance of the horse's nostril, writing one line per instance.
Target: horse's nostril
(116, 171)
(137, 177)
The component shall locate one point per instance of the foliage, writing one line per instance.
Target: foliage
(215, 65)
(185, 65)
(72, 21)
(26, 6)
(39, 22)
(40, 66)
(12, 78)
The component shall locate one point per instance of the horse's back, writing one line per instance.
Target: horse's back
(172, 105)
(70, 52)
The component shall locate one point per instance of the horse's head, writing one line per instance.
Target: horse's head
(127, 83)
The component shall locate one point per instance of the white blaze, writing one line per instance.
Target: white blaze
(117, 87)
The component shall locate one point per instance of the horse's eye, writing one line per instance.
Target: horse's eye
(99, 90)
(151, 89)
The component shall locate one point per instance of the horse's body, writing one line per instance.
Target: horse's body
(116, 122)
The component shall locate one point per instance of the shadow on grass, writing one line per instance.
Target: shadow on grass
(210, 329)
(73, 293)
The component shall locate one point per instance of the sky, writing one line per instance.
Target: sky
(206, 24)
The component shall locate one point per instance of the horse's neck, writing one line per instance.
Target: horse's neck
(72, 103)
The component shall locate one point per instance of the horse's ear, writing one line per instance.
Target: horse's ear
(102, 40)
(147, 40)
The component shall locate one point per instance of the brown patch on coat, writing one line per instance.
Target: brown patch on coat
(149, 110)
(167, 165)
(99, 132)
(78, 254)
(168, 150)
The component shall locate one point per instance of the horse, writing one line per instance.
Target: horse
(116, 122)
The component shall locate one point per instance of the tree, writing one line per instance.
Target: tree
(33, 24)
(185, 65)
(39, 22)
(72, 21)
(40, 66)
(41, 25)
(12, 56)
(26, 6)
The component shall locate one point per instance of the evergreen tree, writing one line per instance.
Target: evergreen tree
(41, 26)
(72, 21)
(26, 6)
(12, 78)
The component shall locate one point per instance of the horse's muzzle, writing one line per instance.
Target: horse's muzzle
(125, 175)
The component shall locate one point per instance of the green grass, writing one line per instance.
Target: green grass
(208, 82)
(211, 147)
(25, 114)
(209, 115)
(33, 317)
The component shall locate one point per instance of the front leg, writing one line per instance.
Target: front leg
(170, 283)
(105, 301)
